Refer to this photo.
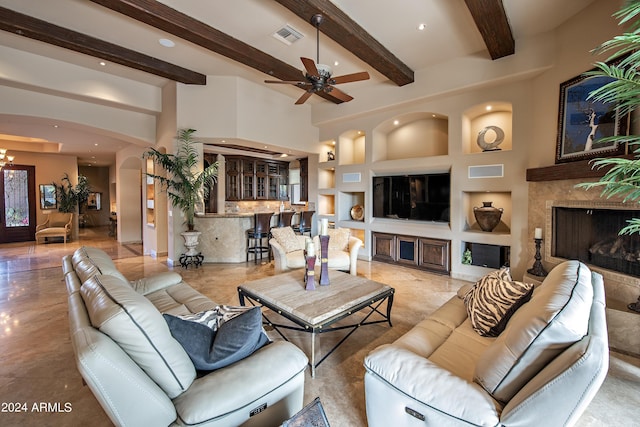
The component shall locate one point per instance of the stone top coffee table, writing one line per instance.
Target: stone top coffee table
(315, 311)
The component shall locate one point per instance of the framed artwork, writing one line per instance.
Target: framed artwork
(94, 201)
(48, 196)
(582, 122)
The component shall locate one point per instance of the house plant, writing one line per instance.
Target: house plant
(622, 178)
(184, 182)
(69, 196)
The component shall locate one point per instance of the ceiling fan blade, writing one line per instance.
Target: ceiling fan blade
(340, 95)
(347, 78)
(288, 82)
(303, 98)
(310, 66)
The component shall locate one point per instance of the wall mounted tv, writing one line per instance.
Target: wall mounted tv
(424, 197)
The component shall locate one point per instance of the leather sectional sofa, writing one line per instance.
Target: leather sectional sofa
(142, 376)
(543, 369)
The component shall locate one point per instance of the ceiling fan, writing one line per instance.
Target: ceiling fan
(318, 76)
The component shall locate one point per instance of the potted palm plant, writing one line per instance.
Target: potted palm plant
(184, 182)
(622, 176)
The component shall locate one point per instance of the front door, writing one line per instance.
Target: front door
(17, 204)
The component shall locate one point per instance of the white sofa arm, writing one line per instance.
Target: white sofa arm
(279, 256)
(434, 393)
(153, 283)
(354, 247)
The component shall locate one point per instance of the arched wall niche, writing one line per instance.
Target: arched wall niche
(420, 134)
(486, 122)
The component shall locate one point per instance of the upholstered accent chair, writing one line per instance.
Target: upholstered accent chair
(343, 250)
(288, 249)
(58, 224)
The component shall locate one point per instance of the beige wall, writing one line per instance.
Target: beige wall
(98, 178)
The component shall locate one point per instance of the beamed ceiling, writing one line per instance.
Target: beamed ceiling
(489, 16)
(118, 39)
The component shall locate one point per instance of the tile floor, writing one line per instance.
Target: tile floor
(37, 367)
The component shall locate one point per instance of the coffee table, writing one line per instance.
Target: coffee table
(315, 311)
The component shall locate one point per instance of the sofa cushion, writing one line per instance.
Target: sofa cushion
(217, 338)
(556, 317)
(493, 300)
(286, 237)
(138, 327)
(339, 239)
(88, 261)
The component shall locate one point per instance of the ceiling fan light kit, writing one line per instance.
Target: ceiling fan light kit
(318, 77)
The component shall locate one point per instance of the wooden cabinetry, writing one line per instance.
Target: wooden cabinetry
(419, 252)
(251, 179)
(304, 179)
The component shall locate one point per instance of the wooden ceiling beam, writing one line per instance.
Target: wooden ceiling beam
(158, 15)
(341, 28)
(43, 31)
(493, 24)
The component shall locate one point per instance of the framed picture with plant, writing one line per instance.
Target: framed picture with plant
(585, 124)
(48, 197)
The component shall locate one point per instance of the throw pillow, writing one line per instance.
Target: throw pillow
(286, 237)
(217, 338)
(493, 300)
(339, 239)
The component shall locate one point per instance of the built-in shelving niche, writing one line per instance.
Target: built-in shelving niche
(423, 134)
(351, 148)
(475, 199)
(326, 178)
(488, 122)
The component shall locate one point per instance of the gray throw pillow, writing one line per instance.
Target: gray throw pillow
(212, 349)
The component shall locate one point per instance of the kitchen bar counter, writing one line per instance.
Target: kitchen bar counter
(224, 236)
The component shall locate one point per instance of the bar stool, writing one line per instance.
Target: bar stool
(284, 220)
(255, 235)
(305, 222)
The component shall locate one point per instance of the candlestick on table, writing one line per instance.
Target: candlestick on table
(537, 269)
(538, 233)
(309, 273)
(324, 259)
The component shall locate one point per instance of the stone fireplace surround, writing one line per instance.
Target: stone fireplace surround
(620, 289)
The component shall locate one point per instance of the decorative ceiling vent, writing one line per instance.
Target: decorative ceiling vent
(288, 35)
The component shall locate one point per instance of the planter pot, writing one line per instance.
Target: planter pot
(191, 239)
(487, 216)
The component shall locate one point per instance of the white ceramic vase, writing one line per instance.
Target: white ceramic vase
(191, 239)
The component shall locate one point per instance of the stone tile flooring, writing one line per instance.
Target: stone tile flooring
(37, 364)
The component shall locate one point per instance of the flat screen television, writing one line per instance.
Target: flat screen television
(424, 197)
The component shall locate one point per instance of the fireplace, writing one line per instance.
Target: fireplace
(589, 232)
(591, 236)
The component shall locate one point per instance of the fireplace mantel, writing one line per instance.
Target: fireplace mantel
(571, 170)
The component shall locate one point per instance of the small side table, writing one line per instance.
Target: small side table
(195, 260)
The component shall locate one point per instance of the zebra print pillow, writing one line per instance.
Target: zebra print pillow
(493, 300)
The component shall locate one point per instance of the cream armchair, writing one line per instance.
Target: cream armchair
(288, 249)
(343, 250)
(58, 224)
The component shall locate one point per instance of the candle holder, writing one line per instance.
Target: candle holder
(309, 272)
(537, 269)
(324, 259)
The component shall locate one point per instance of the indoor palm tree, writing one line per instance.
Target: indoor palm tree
(185, 184)
(623, 175)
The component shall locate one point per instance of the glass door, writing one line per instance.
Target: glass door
(17, 204)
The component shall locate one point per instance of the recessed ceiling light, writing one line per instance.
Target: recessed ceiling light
(489, 107)
(433, 115)
(422, 26)
(284, 155)
(55, 126)
(96, 144)
(336, 63)
(103, 63)
(166, 42)
(396, 123)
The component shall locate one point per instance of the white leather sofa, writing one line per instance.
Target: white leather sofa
(543, 369)
(142, 376)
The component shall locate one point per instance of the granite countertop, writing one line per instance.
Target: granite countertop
(225, 215)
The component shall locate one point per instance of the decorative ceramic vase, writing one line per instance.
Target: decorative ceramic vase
(324, 259)
(487, 216)
(191, 242)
